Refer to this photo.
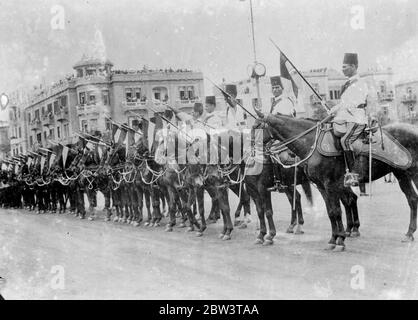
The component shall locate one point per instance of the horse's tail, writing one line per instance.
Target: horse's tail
(307, 189)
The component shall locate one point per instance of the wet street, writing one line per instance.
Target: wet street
(51, 256)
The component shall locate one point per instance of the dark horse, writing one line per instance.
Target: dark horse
(328, 172)
(258, 188)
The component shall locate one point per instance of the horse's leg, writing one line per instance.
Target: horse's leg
(171, 208)
(201, 203)
(189, 203)
(92, 197)
(349, 200)
(226, 213)
(147, 194)
(268, 212)
(332, 204)
(253, 192)
(293, 221)
(405, 183)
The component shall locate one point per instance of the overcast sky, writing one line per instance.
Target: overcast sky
(212, 36)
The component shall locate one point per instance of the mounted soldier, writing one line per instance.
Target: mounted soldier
(211, 119)
(282, 102)
(235, 116)
(350, 117)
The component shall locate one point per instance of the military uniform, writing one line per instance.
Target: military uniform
(282, 103)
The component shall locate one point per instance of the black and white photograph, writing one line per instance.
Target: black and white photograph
(208, 150)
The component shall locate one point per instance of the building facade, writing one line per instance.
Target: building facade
(4, 139)
(85, 101)
(406, 101)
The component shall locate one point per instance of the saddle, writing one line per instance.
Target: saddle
(384, 147)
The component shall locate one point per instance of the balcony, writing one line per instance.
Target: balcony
(385, 96)
(62, 114)
(48, 119)
(131, 105)
(409, 98)
(35, 125)
(87, 109)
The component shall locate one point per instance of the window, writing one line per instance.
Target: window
(182, 93)
(21, 149)
(64, 101)
(337, 94)
(39, 137)
(92, 98)
(45, 135)
(82, 97)
(20, 132)
(29, 117)
(128, 94)
(79, 73)
(43, 111)
(157, 95)
(30, 141)
(93, 124)
(58, 132)
(37, 114)
(138, 93)
(190, 91)
(84, 126)
(56, 107)
(66, 130)
(331, 95)
(50, 107)
(105, 97)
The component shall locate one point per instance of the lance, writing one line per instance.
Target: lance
(165, 119)
(205, 124)
(303, 78)
(230, 97)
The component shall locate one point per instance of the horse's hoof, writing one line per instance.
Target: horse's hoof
(136, 224)
(290, 229)
(226, 237)
(339, 248)
(106, 219)
(189, 229)
(330, 246)
(157, 224)
(168, 229)
(182, 225)
(258, 241)
(348, 234)
(146, 224)
(221, 235)
(199, 234)
(242, 226)
(115, 219)
(91, 219)
(408, 238)
(355, 234)
(299, 229)
(267, 242)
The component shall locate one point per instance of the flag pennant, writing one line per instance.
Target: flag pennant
(285, 74)
(150, 134)
(43, 159)
(100, 151)
(51, 160)
(65, 150)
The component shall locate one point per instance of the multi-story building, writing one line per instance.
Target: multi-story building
(17, 128)
(406, 101)
(4, 139)
(85, 101)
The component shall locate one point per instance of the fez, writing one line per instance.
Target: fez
(97, 133)
(135, 122)
(276, 81)
(350, 58)
(210, 100)
(231, 89)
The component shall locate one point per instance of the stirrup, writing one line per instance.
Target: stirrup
(351, 179)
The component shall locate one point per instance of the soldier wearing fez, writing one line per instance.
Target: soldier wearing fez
(235, 116)
(211, 119)
(350, 113)
(282, 103)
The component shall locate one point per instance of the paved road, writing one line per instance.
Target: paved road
(60, 257)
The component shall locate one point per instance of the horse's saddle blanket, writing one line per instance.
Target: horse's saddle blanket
(390, 152)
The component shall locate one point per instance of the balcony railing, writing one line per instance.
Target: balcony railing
(62, 114)
(134, 104)
(36, 124)
(48, 119)
(409, 98)
(385, 96)
(87, 108)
